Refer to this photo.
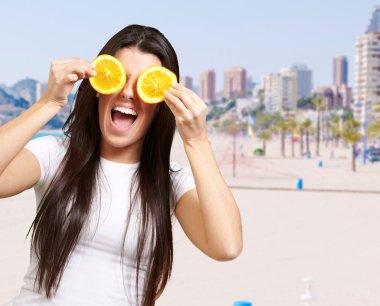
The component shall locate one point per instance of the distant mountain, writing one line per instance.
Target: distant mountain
(7, 98)
(9, 91)
(27, 89)
(14, 99)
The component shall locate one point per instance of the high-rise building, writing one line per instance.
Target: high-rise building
(289, 89)
(235, 82)
(337, 96)
(340, 72)
(207, 85)
(280, 91)
(374, 24)
(304, 80)
(367, 70)
(270, 84)
(250, 84)
(187, 82)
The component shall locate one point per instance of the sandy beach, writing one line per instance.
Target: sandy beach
(328, 232)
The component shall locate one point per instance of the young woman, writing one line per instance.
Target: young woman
(107, 191)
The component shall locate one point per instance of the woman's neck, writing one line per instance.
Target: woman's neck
(125, 155)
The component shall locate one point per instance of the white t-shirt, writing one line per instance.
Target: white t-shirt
(93, 275)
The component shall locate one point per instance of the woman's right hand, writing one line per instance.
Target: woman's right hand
(63, 75)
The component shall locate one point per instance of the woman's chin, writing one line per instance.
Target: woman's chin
(117, 141)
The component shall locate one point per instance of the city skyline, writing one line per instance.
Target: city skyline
(251, 38)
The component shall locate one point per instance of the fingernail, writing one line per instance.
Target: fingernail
(93, 65)
(93, 72)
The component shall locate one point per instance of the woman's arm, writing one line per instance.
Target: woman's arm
(19, 169)
(15, 134)
(216, 228)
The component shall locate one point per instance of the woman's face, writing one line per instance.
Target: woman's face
(122, 136)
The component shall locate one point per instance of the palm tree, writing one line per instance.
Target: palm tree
(336, 132)
(282, 126)
(319, 104)
(374, 128)
(327, 127)
(263, 127)
(307, 128)
(301, 130)
(264, 136)
(233, 126)
(351, 135)
(292, 125)
(335, 128)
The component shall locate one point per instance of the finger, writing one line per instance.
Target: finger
(71, 78)
(172, 108)
(196, 98)
(90, 73)
(81, 70)
(75, 60)
(185, 99)
(176, 103)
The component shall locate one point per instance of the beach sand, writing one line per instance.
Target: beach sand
(330, 234)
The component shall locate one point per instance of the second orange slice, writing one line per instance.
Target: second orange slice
(152, 83)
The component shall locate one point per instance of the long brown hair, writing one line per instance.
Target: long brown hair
(66, 203)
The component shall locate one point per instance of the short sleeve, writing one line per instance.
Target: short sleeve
(46, 149)
(183, 180)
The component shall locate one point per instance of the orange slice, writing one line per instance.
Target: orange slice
(152, 83)
(110, 77)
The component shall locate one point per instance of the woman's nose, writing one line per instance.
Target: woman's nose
(128, 92)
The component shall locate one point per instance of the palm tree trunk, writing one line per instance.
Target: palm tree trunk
(282, 144)
(265, 147)
(334, 143)
(293, 153)
(353, 158)
(327, 136)
(318, 132)
(301, 143)
(307, 142)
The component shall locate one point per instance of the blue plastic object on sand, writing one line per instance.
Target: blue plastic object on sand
(300, 184)
(242, 303)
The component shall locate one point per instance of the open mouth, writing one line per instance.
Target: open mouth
(123, 117)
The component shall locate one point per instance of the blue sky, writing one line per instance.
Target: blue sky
(262, 36)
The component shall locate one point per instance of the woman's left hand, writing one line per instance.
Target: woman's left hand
(190, 112)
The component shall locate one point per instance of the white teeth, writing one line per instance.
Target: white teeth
(125, 110)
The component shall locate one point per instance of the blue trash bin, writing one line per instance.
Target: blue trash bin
(300, 184)
(242, 303)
